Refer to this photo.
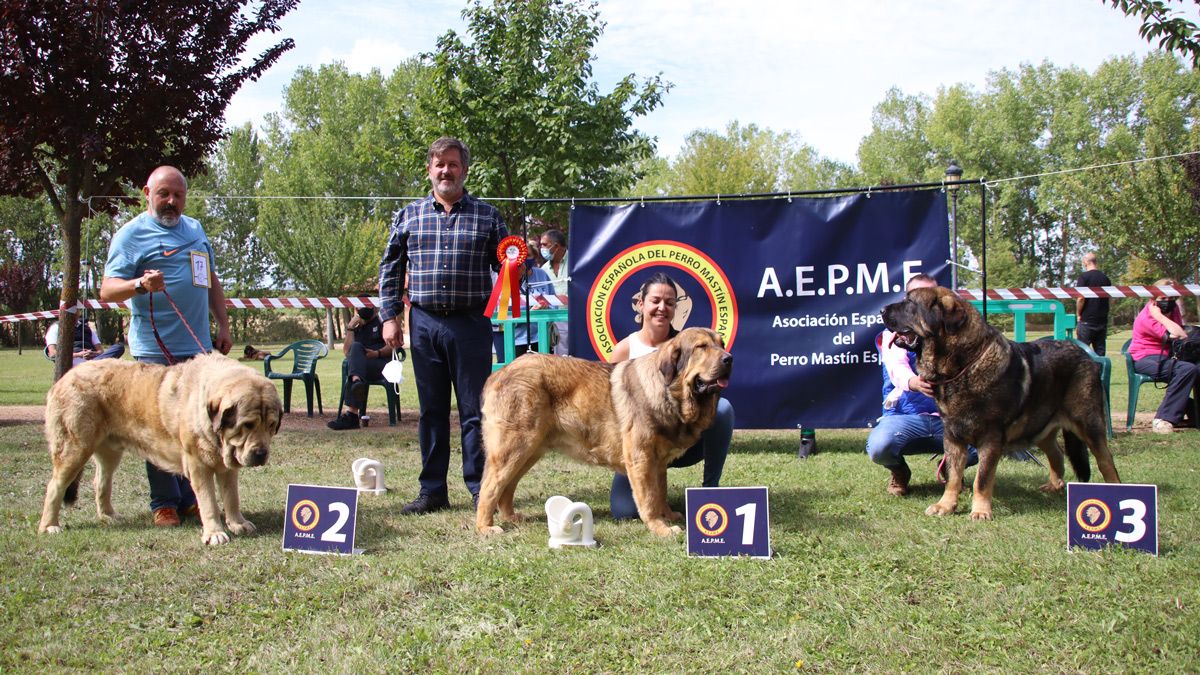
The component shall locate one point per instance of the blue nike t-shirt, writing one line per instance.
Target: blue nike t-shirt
(185, 257)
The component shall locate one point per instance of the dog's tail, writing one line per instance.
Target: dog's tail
(73, 489)
(1077, 455)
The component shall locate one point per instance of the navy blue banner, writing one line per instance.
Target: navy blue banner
(794, 286)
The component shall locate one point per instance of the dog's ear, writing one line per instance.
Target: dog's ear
(221, 418)
(668, 357)
(954, 312)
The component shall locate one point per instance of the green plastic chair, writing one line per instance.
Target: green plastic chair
(1136, 380)
(305, 354)
(1105, 376)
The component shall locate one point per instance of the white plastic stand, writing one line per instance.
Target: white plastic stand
(368, 476)
(570, 523)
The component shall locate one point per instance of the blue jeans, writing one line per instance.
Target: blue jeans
(712, 447)
(898, 435)
(450, 351)
(166, 489)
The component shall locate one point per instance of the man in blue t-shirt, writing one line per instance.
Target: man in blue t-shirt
(910, 423)
(163, 260)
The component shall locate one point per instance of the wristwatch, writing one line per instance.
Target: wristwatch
(141, 290)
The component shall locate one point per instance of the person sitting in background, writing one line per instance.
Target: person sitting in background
(87, 344)
(250, 353)
(366, 355)
(655, 310)
(910, 423)
(1160, 318)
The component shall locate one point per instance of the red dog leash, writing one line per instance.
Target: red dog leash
(171, 360)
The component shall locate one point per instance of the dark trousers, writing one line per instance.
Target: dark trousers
(1093, 335)
(359, 365)
(1179, 387)
(450, 351)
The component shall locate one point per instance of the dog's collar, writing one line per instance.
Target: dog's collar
(972, 364)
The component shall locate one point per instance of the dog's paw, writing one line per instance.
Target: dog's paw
(109, 518)
(981, 515)
(1052, 486)
(52, 529)
(939, 509)
(674, 516)
(515, 517)
(662, 529)
(215, 538)
(489, 530)
(242, 527)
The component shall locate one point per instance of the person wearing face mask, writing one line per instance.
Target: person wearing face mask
(1159, 319)
(554, 250)
(366, 355)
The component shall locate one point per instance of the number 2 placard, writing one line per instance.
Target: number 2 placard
(320, 519)
(1103, 514)
(728, 522)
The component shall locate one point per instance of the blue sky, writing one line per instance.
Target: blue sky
(815, 69)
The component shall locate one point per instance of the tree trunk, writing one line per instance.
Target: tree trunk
(70, 221)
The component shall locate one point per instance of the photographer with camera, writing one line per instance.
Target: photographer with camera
(1158, 322)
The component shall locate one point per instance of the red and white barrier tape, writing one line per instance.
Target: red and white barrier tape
(1071, 293)
(231, 303)
(1061, 293)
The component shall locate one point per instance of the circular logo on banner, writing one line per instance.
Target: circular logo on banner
(711, 520)
(1093, 515)
(604, 295)
(305, 515)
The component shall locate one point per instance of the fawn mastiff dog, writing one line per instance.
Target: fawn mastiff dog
(205, 419)
(634, 417)
(1001, 396)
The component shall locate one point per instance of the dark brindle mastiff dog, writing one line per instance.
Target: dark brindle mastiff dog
(1000, 396)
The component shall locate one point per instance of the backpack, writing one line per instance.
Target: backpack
(1188, 348)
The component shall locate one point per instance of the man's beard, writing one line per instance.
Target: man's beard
(167, 218)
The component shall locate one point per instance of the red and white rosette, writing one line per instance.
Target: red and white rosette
(512, 253)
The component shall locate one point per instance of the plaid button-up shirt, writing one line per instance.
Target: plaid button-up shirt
(448, 257)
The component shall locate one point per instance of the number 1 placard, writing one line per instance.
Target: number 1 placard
(1103, 514)
(728, 522)
(320, 519)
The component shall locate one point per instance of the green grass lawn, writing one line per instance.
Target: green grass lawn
(860, 581)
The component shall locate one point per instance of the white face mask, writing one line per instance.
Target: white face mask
(545, 253)
(393, 371)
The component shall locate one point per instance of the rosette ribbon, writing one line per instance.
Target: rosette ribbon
(512, 253)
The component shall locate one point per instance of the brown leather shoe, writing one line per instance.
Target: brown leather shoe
(898, 483)
(166, 517)
(192, 511)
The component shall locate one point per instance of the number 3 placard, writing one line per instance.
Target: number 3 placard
(1103, 514)
(320, 519)
(728, 522)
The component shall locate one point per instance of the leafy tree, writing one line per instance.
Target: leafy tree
(742, 160)
(1159, 22)
(1044, 124)
(98, 92)
(336, 157)
(520, 95)
(234, 178)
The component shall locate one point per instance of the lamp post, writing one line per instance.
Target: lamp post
(954, 174)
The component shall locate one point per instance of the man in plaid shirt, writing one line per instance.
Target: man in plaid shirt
(444, 248)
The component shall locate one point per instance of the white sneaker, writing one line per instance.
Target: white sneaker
(1162, 427)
